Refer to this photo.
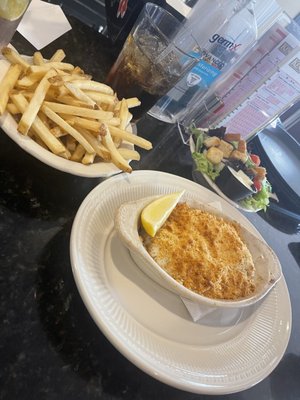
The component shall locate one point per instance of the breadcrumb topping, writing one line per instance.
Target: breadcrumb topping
(203, 252)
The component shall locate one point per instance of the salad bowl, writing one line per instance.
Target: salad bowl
(249, 193)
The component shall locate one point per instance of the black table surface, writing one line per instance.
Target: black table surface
(50, 348)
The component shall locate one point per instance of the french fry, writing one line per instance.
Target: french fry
(57, 131)
(88, 158)
(60, 79)
(80, 95)
(129, 118)
(77, 70)
(91, 125)
(35, 103)
(69, 100)
(29, 80)
(27, 94)
(108, 107)
(102, 98)
(131, 103)
(58, 56)
(92, 85)
(60, 72)
(79, 111)
(123, 115)
(7, 84)
(14, 57)
(129, 154)
(37, 139)
(84, 123)
(68, 128)
(52, 94)
(116, 157)
(12, 109)
(38, 58)
(113, 121)
(78, 153)
(101, 150)
(55, 65)
(45, 120)
(62, 91)
(39, 127)
(130, 137)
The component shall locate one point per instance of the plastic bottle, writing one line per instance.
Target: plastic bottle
(224, 30)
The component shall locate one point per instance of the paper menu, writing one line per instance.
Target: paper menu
(264, 68)
(269, 101)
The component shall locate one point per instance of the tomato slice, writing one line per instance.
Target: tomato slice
(257, 184)
(255, 159)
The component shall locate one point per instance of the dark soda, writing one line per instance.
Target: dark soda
(136, 73)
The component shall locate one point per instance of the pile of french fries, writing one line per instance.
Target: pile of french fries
(65, 111)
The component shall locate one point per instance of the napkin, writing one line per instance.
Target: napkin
(42, 23)
(198, 311)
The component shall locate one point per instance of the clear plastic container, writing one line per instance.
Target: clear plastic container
(224, 30)
(258, 89)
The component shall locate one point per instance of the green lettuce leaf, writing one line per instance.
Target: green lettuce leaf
(260, 200)
(199, 136)
(205, 166)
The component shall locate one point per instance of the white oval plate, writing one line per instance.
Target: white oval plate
(96, 170)
(227, 351)
(215, 187)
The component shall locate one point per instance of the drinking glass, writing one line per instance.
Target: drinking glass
(155, 56)
(11, 13)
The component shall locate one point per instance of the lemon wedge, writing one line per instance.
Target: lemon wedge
(155, 214)
(12, 9)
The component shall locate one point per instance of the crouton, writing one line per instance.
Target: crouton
(232, 137)
(260, 172)
(226, 148)
(214, 155)
(237, 155)
(242, 146)
(212, 141)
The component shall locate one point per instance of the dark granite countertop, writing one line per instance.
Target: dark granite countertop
(50, 348)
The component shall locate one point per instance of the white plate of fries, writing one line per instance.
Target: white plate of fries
(58, 114)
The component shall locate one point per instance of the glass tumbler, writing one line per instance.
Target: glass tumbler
(155, 56)
(11, 13)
